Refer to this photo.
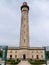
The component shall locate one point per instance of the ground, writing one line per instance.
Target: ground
(24, 63)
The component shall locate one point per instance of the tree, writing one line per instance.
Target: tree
(1, 53)
(47, 54)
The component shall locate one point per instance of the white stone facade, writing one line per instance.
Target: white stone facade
(34, 53)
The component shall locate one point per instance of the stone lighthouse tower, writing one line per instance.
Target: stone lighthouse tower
(24, 32)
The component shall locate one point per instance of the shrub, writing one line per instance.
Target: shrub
(13, 61)
(36, 62)
(17, 61)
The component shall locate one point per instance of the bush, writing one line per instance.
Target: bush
(1, 53)
(13, 61)
(36, 62)
(17, 61)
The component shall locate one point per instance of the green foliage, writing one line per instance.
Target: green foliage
(1, 53)
(13, 62)
(47, 54)
(36, 62)
(17, 61)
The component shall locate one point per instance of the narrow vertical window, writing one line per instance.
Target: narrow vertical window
(24, 40)
(24, 25)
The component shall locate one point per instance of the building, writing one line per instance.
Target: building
(24, 51)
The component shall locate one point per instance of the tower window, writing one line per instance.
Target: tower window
(24, 18)
(24, 40)
(24, 31)
(24, 25)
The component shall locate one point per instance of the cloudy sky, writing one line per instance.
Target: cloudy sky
(10, 22)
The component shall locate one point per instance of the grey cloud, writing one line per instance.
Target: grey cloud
(38, 22)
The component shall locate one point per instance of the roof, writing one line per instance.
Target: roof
(36, 48)
(13, 48)
(30, 48)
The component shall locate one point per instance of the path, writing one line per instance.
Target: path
(24, 63)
